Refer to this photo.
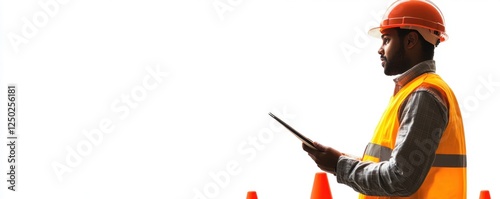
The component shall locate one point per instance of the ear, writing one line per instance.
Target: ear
(411, 40)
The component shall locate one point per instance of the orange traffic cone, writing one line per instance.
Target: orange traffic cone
(485, 194)
(321, 187)
(252, 195)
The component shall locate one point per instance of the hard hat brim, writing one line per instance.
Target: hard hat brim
(375, 32)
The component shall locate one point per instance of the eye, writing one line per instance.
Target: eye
(385, 40)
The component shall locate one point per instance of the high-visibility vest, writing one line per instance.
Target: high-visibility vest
(447, 177)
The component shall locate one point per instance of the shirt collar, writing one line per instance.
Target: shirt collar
(413, 72)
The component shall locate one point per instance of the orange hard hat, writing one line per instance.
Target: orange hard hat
(421, 15)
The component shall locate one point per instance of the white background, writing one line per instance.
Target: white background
(226, 70)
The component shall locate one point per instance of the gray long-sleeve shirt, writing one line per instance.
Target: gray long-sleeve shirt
(420, 115)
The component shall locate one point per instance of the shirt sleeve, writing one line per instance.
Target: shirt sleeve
(423, 116)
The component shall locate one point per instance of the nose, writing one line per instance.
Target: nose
(381, 51)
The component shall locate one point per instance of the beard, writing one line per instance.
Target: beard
(397, 64)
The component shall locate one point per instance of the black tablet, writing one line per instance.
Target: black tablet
(304, 139)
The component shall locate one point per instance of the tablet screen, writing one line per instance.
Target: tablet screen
(304, 139)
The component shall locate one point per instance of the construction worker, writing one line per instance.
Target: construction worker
(418, 148)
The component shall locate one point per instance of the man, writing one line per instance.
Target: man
(418, 148)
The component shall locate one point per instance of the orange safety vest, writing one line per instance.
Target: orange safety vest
(447, 177)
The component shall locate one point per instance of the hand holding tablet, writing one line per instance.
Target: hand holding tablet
(304, 139)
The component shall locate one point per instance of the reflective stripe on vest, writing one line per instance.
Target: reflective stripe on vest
(441, 160)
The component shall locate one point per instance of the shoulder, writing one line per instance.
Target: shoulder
(425, 98)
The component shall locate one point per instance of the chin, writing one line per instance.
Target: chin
(390, 73)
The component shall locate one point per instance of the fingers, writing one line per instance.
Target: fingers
(320, 147)
(321, 155)
(326, 158)
(308, 149)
